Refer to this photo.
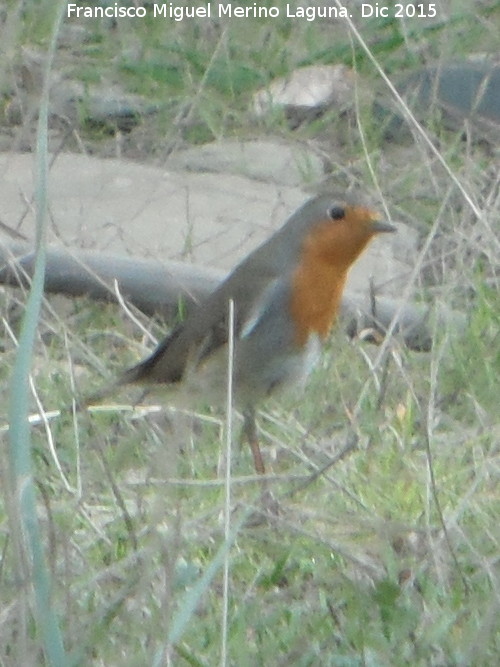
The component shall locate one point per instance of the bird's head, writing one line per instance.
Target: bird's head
(341, 232)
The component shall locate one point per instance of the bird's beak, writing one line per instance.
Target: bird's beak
(381, 227)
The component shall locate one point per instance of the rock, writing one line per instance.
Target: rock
(123, 207)
(386, 264)
(268, 161)
(307, 92)
(73, 102)
(72, 35)
(111, 106)
(466, 94)
(210, 219)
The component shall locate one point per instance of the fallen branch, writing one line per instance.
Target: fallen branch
(160, 287)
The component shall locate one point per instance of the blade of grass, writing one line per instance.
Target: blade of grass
(20, 461)
(227, 504)
(411, 119)
(193, 596)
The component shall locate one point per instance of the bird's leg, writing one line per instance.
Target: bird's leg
(250, 433)
(268, 503)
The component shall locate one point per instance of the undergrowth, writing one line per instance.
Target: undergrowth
(389, 556)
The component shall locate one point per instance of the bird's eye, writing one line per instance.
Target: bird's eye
(336, 212)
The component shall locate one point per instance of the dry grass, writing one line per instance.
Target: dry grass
(390, 555)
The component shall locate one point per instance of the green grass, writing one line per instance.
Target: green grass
(357, 568)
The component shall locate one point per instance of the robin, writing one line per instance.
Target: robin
(286, 296)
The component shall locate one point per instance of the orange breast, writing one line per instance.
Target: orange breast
(316, 294)
(327, 253)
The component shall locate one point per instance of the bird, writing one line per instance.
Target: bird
(286, 295)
